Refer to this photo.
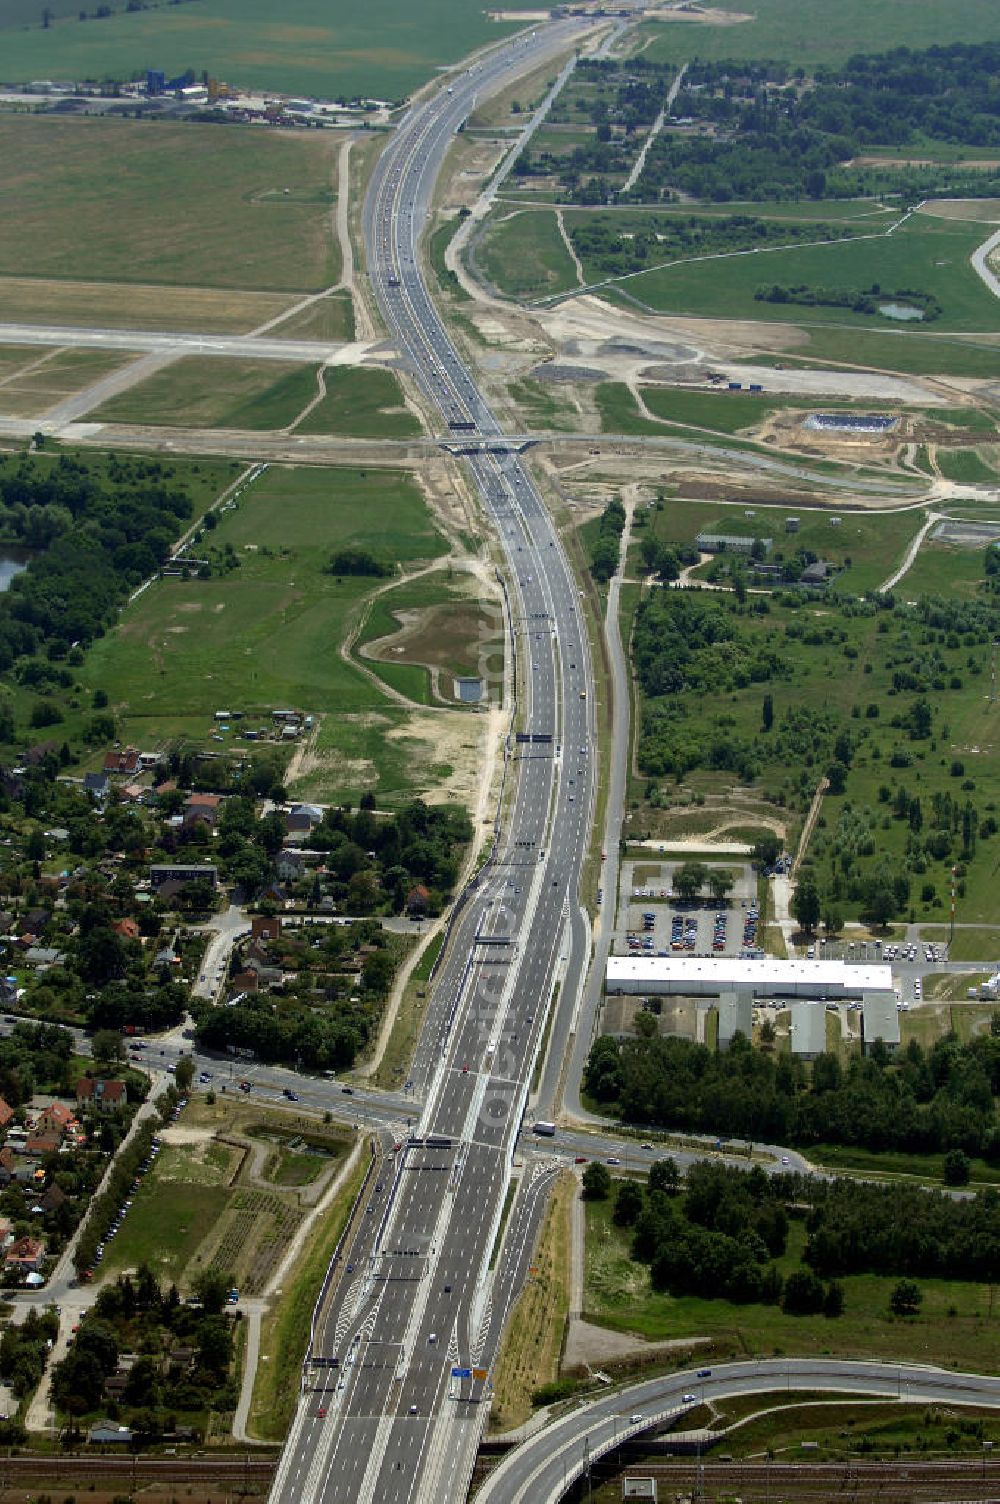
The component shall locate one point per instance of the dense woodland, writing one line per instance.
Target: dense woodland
(100, 531)
(921, 1101)
(721, 1236)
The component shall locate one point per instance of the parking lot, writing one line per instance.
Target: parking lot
(651, 922)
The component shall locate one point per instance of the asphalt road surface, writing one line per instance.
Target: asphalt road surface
(392, 1394)
(540, 1471)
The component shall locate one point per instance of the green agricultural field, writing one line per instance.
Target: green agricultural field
(889, 350)
(524, 256)
(808, 31)
(954, 1324)
(210, 392)
(929, 255)
(364, 402)
(325, 48)
(268, 632)
(186, 204)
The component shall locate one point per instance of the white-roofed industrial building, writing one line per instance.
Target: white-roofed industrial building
(879, 1020)
(770, 978)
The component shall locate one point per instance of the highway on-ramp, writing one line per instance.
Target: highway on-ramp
(406, 1335)
(540, 1471)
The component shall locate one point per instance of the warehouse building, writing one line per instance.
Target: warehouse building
(807, 1030)
(735, 1017)
(760, 980)
(879, 1020)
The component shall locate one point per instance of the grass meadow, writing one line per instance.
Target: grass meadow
(844, 665)
(524, 255)
(204, 391)
(956, 1325)
(191, 204)
(269, 632)
(326, 48)
(363, 402)
(927, 254)
(808, 32)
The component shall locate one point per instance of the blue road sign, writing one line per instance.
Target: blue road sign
(461, 1373)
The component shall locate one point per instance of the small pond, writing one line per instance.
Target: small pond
(904, 311)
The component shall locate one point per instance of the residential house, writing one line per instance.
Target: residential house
(8, 1164)
(302, 819)
(56, 1115)
(54, 1198)
(6, 1113)
(6, 1233)
(124, 761)
(42, 1141)
(106, 1096)
(265, 927)
(41, 956)
(417, 899)
(26, 1254)
(202, 809)
(182, 873)
(290, 865)
(816, 575)
(96, 785)
(109, 1433)
(127, 928)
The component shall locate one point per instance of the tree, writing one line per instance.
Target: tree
(836, 777)
(906, 1298)
(664, 1175)
(767, 713)
(596, 1182)
(805, 904)
(833, 1300)
(803, 1294)
(720, 884)
(689, 879)
(212, 1288)
(766, 851)
(184, 1074)
(628, 1203)
(956, 1167)
(107, 1047)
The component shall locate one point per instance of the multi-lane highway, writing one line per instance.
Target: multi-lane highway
(399, 1367)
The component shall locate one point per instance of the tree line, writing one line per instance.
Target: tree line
(918, 1102)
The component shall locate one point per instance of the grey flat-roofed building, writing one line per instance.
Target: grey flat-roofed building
(735, 1017)
(879, 1020)
(808, 1024)
(729, 543)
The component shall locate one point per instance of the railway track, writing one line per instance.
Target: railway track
(973, 1480)
(68, 1467)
